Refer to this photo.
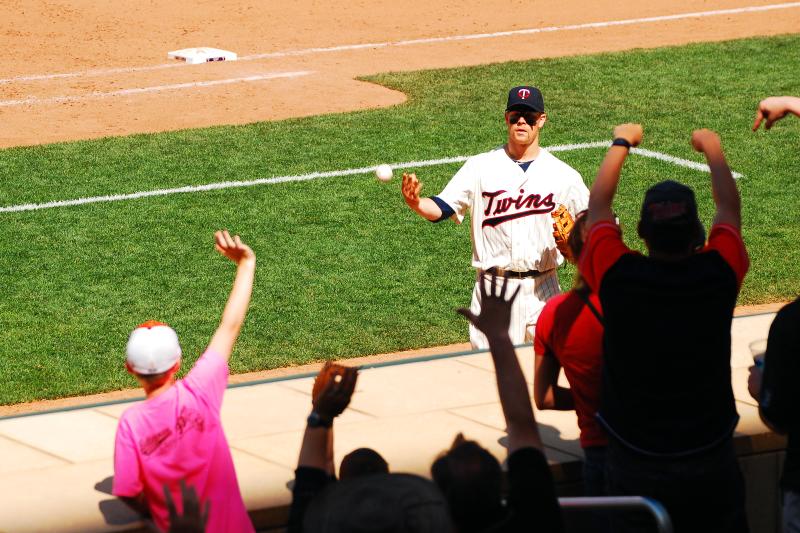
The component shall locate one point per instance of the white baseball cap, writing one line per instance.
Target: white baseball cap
(153, 348)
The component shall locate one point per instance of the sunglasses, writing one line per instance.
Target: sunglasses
(530, 117)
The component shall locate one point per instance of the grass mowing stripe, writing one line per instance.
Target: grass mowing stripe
(345, 268)
(329, 174)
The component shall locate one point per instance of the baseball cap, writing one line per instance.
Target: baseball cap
(152, 348)
(526, 96)
(669, 202)
(402, 503)
(669, 210)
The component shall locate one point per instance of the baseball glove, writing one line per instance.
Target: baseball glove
(329, 372)
(562, 227)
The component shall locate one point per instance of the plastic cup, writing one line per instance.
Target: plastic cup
(757, 349)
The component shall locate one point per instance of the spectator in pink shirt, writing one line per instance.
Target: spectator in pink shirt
(176, 433)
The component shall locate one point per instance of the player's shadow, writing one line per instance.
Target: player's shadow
(114, 512)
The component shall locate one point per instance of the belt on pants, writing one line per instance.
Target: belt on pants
(516, 274)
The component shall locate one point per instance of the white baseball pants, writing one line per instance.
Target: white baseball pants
(525, 311)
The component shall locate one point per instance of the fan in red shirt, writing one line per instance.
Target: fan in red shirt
(569, 334)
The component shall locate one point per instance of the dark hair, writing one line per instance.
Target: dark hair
(575, 240)
(381, 503)
(575, 243)
(471, 480)
(362, 462)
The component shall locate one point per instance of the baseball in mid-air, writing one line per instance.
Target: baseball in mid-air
(383, 172)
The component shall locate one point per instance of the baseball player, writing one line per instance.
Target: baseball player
(510, 193)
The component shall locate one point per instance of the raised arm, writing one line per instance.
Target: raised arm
(333, 389)
(726, 195)
(601, 196)
(424, 207)
(775, 108)
(514, 397)
(235, 310)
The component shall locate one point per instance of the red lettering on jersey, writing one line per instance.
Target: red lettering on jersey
(491, 196)
(500, 206)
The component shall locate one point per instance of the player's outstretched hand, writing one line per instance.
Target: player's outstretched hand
(334, 389)
(630, 132)
(495, 315)
(704, 139)
(411, 187)
(192, 520)
(232, 247)
(775, 108)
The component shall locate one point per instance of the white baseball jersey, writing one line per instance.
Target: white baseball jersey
(510, 208)
(512, 228)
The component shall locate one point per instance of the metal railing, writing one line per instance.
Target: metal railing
(622, 503)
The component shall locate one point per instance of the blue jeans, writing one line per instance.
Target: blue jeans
(791, 511)
(702, 493)
(594, 471)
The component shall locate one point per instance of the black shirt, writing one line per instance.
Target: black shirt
(667, 347)
(532, 504)
(780, 395)
(308, 482)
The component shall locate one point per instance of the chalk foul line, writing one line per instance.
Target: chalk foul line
(330, 174)
(428, 40)
(153, 89)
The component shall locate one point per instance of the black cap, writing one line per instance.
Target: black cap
(526, 96)
(669, 217)
(669, 202)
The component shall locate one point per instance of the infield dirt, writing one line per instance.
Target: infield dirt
(80, 69)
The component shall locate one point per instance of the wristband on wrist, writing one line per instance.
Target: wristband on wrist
(620, 141)
(316, 420)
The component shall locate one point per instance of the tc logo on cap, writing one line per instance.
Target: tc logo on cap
(524, 93)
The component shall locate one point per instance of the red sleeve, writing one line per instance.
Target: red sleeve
(542, 338)
(603, 248)
(727, 241)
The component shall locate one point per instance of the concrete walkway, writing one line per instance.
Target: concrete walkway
(56, 468)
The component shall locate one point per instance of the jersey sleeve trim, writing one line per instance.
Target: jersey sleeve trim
(447, 210)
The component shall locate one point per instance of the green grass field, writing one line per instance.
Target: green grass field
(344, 268)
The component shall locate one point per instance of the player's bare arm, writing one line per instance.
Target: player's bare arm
(601, 196)
(493, 321)
(424, 207)
(726, 195)
(547, 393)
(235, 310)
(775, 108)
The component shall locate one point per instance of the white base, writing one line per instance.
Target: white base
(194, 56)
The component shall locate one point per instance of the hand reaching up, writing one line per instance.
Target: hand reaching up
(775, 108)
(232, 247)
(495, 315)
(192, 520)
(333, 389)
